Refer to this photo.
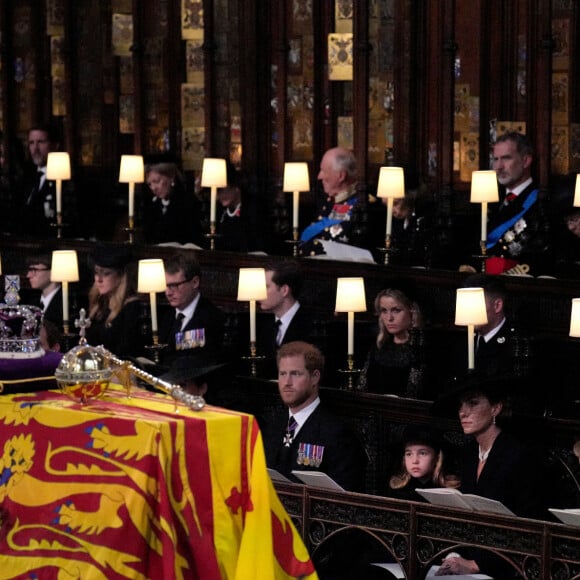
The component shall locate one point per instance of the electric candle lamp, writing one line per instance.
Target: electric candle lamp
(132, 171)
(58, 169)
(484, 190)
(391, 186)
(575, 318)
(296, 179)
(64, 269)
(214, 175)
(252, 287)
(470, 311)
(577, 191)
(150, 280)
(350, 298)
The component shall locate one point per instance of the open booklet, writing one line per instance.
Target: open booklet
(317, 479)
(570, 517)
(450, 497)
(276, 476)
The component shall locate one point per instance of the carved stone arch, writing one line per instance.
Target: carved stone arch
(506, 564)
(347, 552)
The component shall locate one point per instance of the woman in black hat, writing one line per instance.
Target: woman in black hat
(421, 464)
(395, 364)
(114, 307)
(494, 465)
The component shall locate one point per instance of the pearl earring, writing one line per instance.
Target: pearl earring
(493, 419)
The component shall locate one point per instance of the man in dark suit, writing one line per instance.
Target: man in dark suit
(306, 436)
(290, 321)
(501, 346)
(519, 229)
(36, 203)
(193, 322)
(50, 299)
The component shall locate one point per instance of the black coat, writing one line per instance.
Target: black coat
(36, 208)
(206, 316)
(124, 337)
(180, 222)
(301, 327)
(344, 458)
(509, 476)
(54, 310)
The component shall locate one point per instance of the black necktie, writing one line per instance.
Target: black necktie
(277, 325)
(177, 324)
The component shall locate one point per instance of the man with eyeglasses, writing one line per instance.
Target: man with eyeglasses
(50, 299)
(193, 322)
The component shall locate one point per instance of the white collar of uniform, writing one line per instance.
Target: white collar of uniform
(342, 196)
(189, 310)
(487, 337)
(517, 190)
(302, 416)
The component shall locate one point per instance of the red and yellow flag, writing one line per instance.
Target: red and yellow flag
(126, 487)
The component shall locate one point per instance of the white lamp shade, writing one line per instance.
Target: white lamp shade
(252, 284)
(214, 173)
(151, 276)
(577, 191)
(470, 307)
(350, 295)
(484, 187)
(132, 169)
(391, 182)
(65, 266)
(575, 318)
(296, 177)
(58, 166)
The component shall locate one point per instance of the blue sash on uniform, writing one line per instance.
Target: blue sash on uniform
(500, 230)
(316, 228)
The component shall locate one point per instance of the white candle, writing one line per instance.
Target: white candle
(58, 196)
(131, 199)
(470, 346)
(212, 203)
(153, 301)
(252, 321)
(484, 220)
(295, 198)
(389, 215)
(65, 301)
(350, 333)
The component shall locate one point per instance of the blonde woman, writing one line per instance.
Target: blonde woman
(114, 308)
(395, 363)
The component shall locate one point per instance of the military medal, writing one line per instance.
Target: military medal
(288, 439)
(310, 455)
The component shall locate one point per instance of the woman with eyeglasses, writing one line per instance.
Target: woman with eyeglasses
(115, 310)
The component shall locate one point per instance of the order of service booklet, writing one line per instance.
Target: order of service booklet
(450, 497)
(570, 517)
(317, 479)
